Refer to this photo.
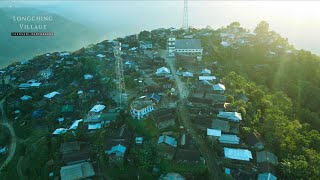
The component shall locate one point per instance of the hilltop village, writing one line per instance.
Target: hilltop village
(183, 117)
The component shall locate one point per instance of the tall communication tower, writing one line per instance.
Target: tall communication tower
(121, 94)
(185, 25)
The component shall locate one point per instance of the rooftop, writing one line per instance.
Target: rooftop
(141, 103)
(119, 150)
(213, 132)
(51, 95)
(219, 87)
(188, 44)
(229, 139)
(97, 108)
(266, 176)
(168, 140)
(237, 154)
(265, 156)
(69, 147)
(77, 171)
(67, 108)
(233, 116)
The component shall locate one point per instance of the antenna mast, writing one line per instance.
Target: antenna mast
(119, 75)
(185, 16)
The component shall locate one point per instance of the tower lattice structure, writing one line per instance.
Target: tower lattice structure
(121, 94)
(185, 24)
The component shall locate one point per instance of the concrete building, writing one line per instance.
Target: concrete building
(188, 47)
(171, 45)
(141, 107)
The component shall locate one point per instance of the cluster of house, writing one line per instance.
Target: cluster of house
(225, 130)
(96, 118)
(235, 36)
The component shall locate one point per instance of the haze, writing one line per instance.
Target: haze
(298, 21)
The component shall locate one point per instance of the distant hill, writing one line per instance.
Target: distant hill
(69, 35)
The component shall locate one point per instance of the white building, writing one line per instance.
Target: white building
(171, 45)
(141, 108)
(188, 47)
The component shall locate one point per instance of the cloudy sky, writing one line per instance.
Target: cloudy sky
(296, 20)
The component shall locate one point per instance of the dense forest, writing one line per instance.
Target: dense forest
(283, 91)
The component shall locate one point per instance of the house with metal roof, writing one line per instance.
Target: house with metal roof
(25, 98)
(97, 108)
(77, 171)
(51, 95)
(214, 132)
(75, 124)
(232, 116)
(117, 150)
(187, 74)
(229, 139)
(88, 76)
(171, 176)
(265, 156)
(163, 71)
(167, 140)
(220, 88)
(266, 176)
(205, 72)
(94, 126)
(164, 118)
(224, 126)
(207, 78)
(139, 140)
(237, 154)
(154, 96)
(95, 113)
(60, 131)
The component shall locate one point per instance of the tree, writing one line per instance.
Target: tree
(262, 29)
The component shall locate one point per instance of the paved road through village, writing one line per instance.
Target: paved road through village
(183, 113)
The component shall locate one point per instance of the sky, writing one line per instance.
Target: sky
(299, 21)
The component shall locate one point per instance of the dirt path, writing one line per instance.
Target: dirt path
(13, 144)
(183, 113)
(20, 174)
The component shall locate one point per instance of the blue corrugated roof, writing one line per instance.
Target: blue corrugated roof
(154, 96)
(118, 150)
(168, 140)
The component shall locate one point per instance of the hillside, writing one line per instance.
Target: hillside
(68, 36)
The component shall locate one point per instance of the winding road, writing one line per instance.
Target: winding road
(183, 113)
(13, 144)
